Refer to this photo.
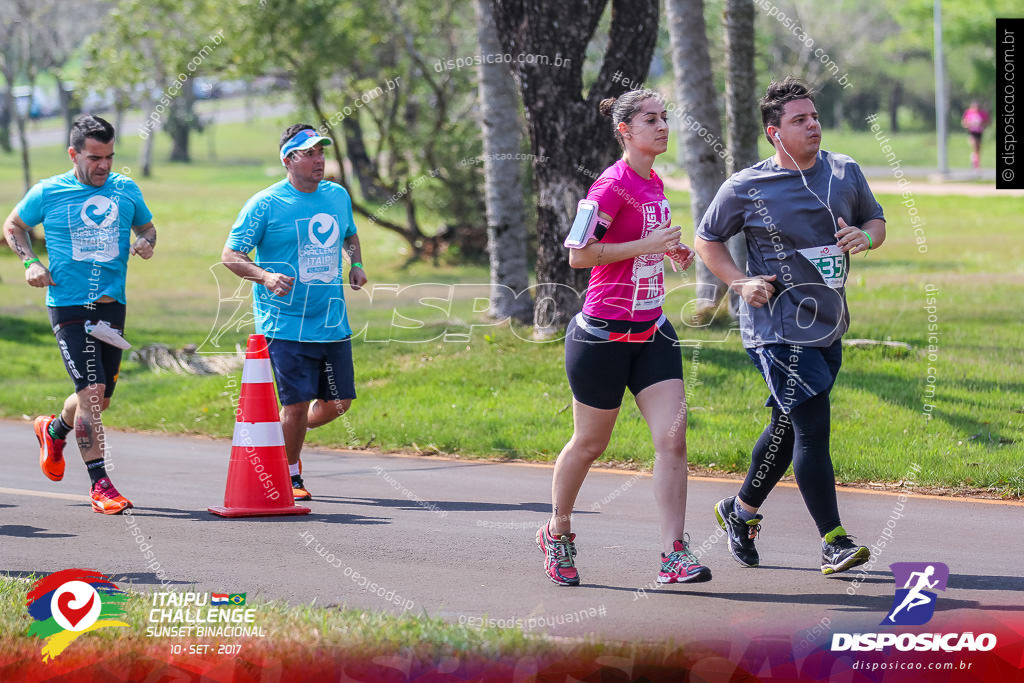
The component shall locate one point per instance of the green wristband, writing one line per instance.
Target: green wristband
(871, 245)
(30, 261)
(357, 264)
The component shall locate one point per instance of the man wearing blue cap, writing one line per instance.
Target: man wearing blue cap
(298, 229)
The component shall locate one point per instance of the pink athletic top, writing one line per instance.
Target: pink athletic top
(633, 289)
(975, 120)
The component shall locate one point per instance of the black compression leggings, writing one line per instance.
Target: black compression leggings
(801, 438)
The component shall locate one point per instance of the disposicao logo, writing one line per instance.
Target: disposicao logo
(71, 602)
(914, 605)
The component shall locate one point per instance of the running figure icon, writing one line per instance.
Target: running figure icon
(916, 597)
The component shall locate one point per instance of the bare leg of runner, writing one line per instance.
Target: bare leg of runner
(664, 407)
(321, 412)
(294, 419)
(85, 408)
(592, 429)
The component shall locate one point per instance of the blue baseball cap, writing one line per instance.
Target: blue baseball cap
(304, 139)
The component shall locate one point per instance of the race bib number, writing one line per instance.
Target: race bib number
(830, 262)
(648, 285)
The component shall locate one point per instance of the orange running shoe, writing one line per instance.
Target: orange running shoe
(106, 499)
(299, 491)
(51, 450)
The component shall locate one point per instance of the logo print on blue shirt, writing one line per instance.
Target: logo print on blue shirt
(94, 230)
(320, 254)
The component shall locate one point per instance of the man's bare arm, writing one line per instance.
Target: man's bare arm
(241, 265)
(17, 235)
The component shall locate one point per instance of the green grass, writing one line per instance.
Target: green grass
(491, 391)
(913, 149)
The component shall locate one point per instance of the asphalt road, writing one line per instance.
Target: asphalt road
(455, 539)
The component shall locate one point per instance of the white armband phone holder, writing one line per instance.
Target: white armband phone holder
(587, 224)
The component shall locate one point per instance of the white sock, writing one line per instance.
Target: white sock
(293, 470)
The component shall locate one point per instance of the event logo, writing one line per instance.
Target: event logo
(323, 230)
(94, 229)
(914, 604)
(320, 251)
(202, 615)
(71, 602)
(99, 212)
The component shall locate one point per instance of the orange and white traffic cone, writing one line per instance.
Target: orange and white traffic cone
(258, 482)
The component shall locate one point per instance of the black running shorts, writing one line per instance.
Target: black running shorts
(88, 360)
(600, 370)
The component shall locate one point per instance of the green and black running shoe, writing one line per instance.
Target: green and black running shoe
(839, 553)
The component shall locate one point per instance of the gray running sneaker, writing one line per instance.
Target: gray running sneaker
(741, 534)
(839, 553)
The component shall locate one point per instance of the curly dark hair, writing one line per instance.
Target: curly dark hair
(775, 98)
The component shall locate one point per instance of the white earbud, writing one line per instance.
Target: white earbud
(828, 196)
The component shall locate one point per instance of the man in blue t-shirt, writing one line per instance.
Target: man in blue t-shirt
(88, 215)
(803, 212)
(298, 229)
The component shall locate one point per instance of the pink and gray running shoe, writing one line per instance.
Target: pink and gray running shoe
(681, 566)
(559, 554)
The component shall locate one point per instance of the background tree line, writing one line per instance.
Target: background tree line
(433, 159)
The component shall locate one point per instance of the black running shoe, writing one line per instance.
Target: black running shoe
(741, 534)
(839, 553)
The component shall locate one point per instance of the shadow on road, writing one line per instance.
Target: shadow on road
(447, 505)
(206, 516)
(986, 583)
(22, 531)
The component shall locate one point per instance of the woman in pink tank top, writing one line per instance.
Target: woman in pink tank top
(621, 339)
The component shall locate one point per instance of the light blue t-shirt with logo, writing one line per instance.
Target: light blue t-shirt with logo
(299, 234)
(88, 234)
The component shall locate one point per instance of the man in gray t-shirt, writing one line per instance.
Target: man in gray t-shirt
(803, 212)
(792, 236)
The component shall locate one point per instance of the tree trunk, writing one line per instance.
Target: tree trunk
(118, 117)
(26, 171)
(742, 117)
(6, 113)
(364, 169)
(570, 140)
(146, 150)
(64, 98)
(742, 114)
(506, 223)
(895, 100)
(180, 121)
(696, 95)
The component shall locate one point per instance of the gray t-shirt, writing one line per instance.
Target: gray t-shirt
(791, 235)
